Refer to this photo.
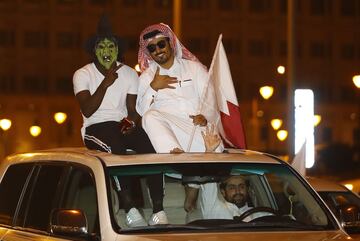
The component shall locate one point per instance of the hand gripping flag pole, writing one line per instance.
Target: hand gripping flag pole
(219, 101)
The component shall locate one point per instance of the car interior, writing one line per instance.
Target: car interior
(269, 187)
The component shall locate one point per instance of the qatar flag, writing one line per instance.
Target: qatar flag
(225, 106)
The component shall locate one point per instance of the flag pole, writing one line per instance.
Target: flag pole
(204, 93)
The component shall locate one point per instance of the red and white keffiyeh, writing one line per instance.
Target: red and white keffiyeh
(144, 57)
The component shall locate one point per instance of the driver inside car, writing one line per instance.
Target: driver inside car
(232, 201)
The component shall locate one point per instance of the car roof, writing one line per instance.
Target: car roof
(84, 155)
(321, 185)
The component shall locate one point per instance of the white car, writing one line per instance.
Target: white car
(68, 194)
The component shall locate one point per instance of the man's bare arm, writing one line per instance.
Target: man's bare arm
(130, 105)
(191, 196)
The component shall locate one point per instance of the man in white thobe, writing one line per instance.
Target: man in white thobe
(170, 91)
(232, 201)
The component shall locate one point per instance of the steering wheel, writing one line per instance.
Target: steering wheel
(251, 211)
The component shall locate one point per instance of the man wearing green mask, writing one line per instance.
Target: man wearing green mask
(106, 90)
(106, 52)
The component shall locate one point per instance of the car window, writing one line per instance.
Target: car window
(275, 196)
(11, 188)
(42, 197)
(80, 193)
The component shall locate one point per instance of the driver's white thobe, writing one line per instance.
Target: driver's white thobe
(214, 206)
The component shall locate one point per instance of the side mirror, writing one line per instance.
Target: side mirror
(349, 217)
(69, 222)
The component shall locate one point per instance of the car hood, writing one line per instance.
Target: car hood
(243, 236)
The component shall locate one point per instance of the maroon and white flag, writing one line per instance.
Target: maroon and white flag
(225, 108)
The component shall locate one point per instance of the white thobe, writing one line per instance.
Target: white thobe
(214, 206)
(166, 112)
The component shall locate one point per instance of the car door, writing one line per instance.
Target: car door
(38, 197)
(11, 189)
(32, 191)
(80, 193)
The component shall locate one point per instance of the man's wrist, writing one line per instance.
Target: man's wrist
(104, 85)
(133, 124)
(152, 87)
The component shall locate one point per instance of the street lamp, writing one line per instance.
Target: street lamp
(266, 91)
(281, 69)
(276, 123)
(60, 117)
(282, 135)
(356, 80)
(5, 124)
(35, 130)
(317, 120)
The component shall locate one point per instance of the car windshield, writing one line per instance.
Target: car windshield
(275, 198)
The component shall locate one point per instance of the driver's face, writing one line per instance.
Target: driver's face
(235, 191)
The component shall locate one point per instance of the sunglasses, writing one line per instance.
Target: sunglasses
(152, 47)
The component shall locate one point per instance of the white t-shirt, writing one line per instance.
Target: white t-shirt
(113, 105)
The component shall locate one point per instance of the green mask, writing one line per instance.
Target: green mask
(106, 52)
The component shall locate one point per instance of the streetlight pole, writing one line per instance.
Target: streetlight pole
(5, 125)
(177, 17)
(291, 55)
(356, 81)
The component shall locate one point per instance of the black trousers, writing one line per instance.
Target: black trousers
(107, 137)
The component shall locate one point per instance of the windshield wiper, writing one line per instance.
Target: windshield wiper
(282, 225)
(163, 228)
(222, 224)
